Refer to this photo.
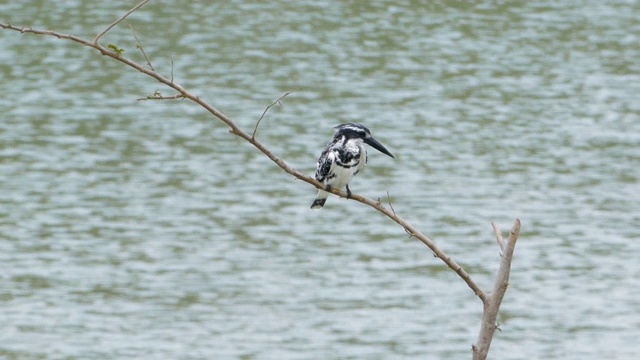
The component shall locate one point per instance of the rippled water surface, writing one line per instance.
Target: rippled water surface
(143, 229)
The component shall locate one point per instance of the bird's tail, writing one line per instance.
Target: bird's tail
(321, 198)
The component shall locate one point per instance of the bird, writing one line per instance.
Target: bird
(343, 158)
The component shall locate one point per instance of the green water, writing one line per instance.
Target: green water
(143, 229)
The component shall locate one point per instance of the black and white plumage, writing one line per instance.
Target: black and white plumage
(343, 158)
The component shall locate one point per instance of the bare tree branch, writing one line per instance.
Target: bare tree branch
(253, 135)
(172, 71)
(496, 230)
(389, 202)
(139, 46)
(158, 96)
(152, 97)
(491, 302)
(95, 40)
(395, 217)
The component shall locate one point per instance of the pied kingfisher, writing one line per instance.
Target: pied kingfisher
(343, 158)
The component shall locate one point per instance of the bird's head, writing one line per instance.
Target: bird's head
(357, 131)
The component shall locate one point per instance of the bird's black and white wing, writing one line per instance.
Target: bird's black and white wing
(325, 162)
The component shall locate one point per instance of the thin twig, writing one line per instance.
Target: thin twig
(95, 40)
(253, 135)
(389, 201)
(395, 216)
(498, 233)
(139, 46)
(160, 97)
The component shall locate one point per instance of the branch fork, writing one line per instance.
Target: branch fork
(491, 301)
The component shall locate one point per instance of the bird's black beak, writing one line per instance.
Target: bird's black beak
(376, 145)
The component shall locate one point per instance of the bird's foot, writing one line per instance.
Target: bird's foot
(349, 192)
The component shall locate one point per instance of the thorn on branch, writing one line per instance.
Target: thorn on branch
(253, 135)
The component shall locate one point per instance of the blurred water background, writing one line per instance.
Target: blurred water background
(143, 229)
